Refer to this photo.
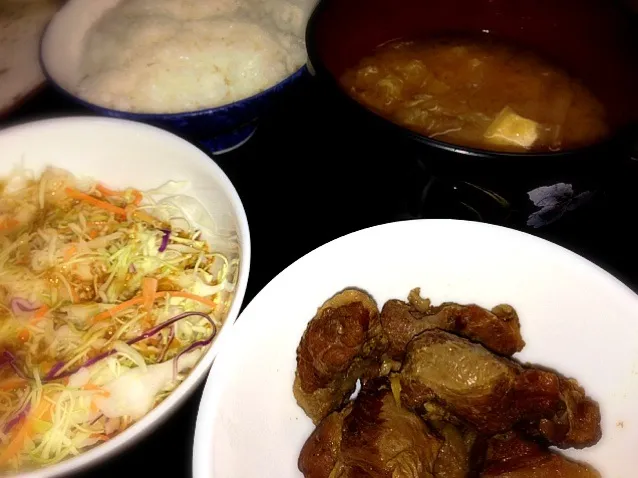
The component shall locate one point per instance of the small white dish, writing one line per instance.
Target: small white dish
(128, 154)
(575, 317)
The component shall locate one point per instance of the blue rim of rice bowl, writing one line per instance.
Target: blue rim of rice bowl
(163, 116)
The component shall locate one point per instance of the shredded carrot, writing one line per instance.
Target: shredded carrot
(24, 335)
(106, 191)
(12, 383)
(141, 300)
(113, 311)
(93, 233)
(137, 197)
(94, 388)
(149, 288)
(17, 441)
(94, 407)
(69, 253)
(46, 365)
(101, 437)
(8, 223)
(107, 206)
(188, 295)
(39, 314)
(43, 411)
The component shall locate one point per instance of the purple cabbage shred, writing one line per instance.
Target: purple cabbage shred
(19, 416)
(52, 375)
(165, 238)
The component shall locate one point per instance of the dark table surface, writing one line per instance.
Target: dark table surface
(309, 176)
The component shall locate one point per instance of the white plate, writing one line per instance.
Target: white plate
(575, 317)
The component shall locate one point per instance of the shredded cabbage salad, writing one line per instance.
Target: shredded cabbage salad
(108, 298)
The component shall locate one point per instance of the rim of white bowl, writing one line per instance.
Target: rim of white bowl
(203, 457)
(159, 414)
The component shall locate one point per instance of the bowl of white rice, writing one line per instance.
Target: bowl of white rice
(205, 70)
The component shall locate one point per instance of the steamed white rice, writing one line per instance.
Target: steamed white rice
(170, 56)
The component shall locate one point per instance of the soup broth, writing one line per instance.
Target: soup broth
(478, 92)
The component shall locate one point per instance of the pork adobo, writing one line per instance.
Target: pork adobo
(440, 395)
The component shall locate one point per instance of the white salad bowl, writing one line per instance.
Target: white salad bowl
(574, 317)
(121, 154)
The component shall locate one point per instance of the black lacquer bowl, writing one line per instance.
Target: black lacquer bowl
(594, 39)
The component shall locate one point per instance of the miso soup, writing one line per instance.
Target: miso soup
(478, 92)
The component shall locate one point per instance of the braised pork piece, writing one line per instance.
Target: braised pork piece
(440, 396)
(375, 438)
(512, 456)
(341, 344)
(499, 329)
(495, 394)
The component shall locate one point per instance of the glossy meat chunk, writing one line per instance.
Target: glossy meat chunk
(320, 455)
(510, 456)
(341, 344)
(575, 424)
(383, 439)
(494, 394)
(374, 437)
(498, 329)
(455, 458)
